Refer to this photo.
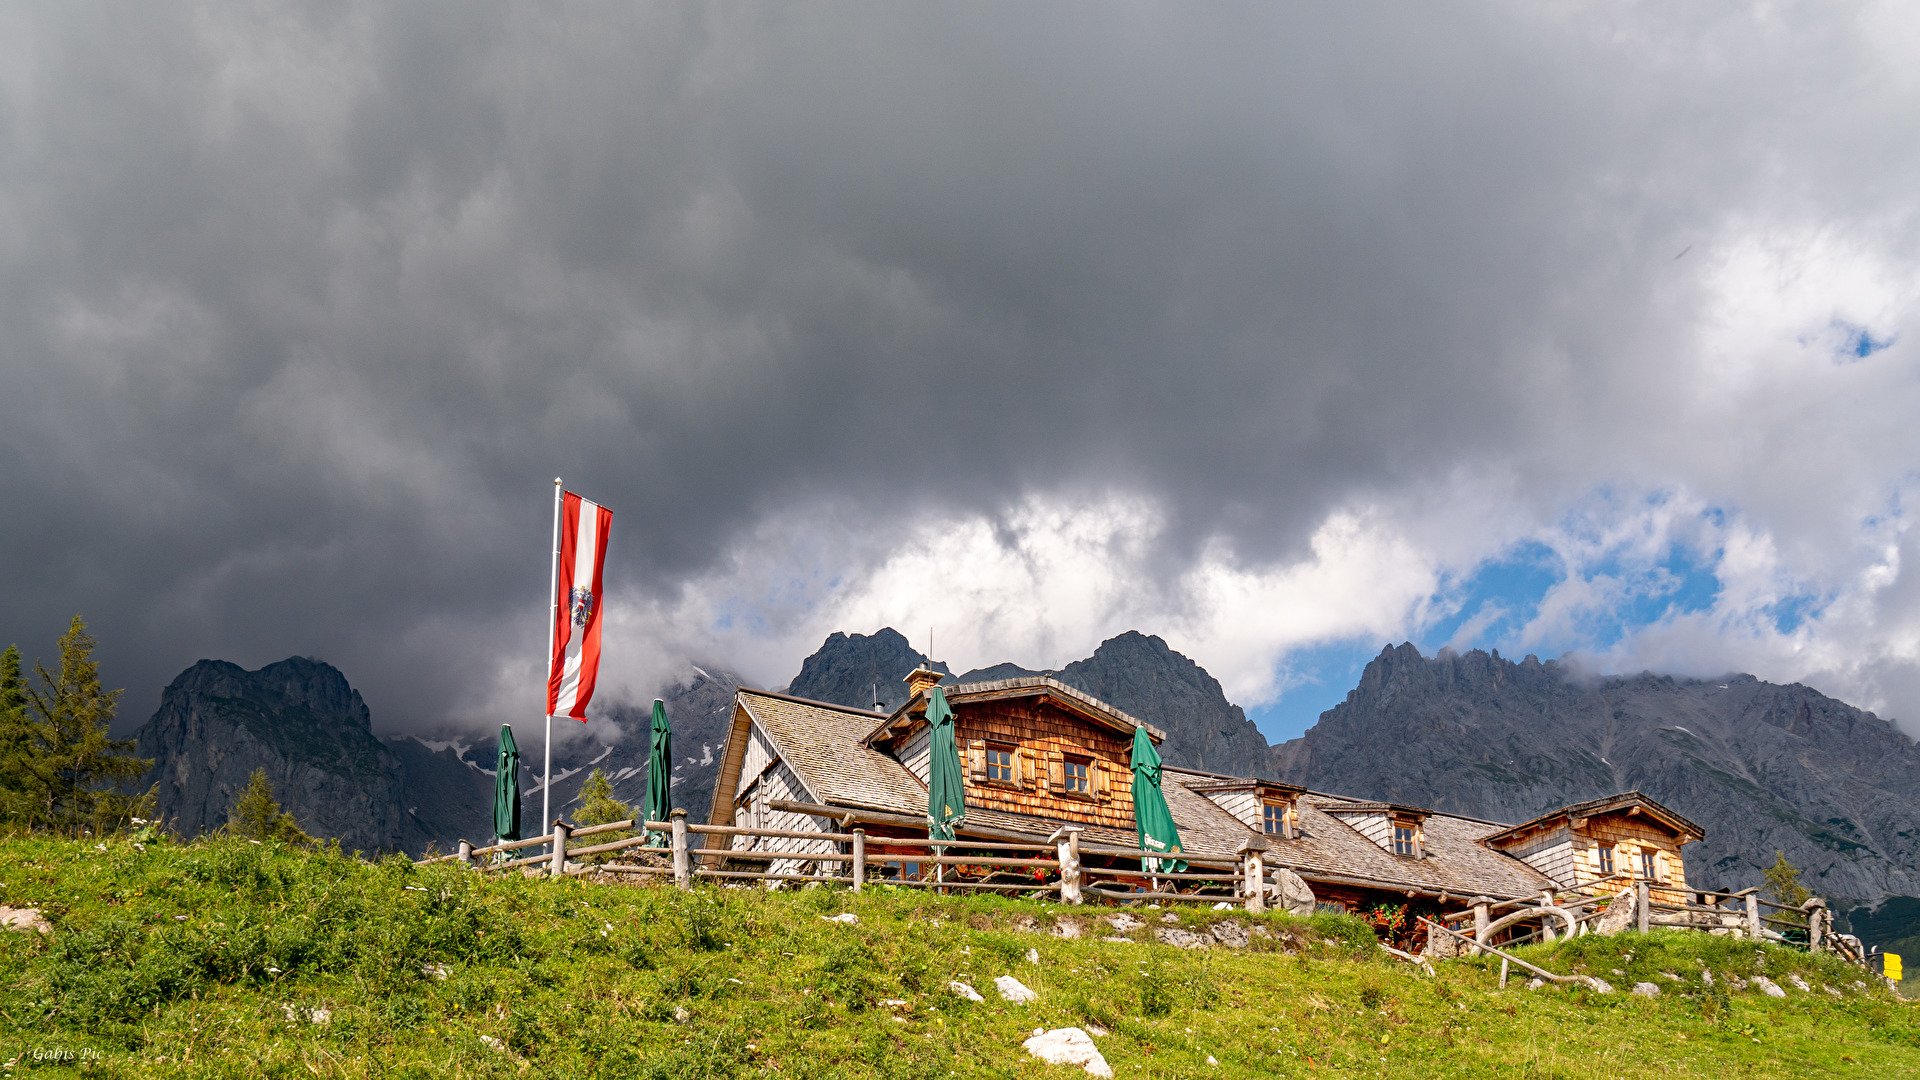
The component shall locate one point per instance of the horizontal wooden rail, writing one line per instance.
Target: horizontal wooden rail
(611, 826)
(778, 834)
(727, 874)
(929, 883)
(618, 868)
(876, 842)
(513, 845)
(617, 845)
(975, 860)
(511, 863)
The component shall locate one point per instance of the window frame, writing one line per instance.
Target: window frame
(1650, 864)
(1605, 858)
(1011, 769)
(1408, 847)
(1068, 762)
(1275, 819)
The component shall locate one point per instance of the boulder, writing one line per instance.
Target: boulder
(1618, 916)
(25, 920)
(965, 991)
(1012, 989)
(1645, 989)
(1069, 1046)
(1768, 986)
(1291, 894)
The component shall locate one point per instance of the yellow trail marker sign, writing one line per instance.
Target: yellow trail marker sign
(1891, 967)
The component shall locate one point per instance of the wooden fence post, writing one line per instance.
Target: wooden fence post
(1815, 908)
(1643, 906)
(859, 858)
(466, 853)
(559, 864)
(1067, 850)
(1753, 915)
(1253, 873)
(1482, 918)
(682, 870)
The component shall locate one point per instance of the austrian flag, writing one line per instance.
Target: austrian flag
(576, 628)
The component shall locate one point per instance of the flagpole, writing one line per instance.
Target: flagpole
(553, 620)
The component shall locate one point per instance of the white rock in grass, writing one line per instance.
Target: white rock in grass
(1012, 989)
(1211, 1060)
(1645, 989)
(1033, 956)
(1182, 939)
(1069, 1046)
(1223, 906)
(1536, 983)
(965, 991)
(435, 971)
(1768, 986)
(493, 1042)
(1597, 985)
(1800, 984)
(1124, 922)
(27, 920)
(847, 917)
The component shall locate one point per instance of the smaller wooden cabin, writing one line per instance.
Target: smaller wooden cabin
(1602, 844)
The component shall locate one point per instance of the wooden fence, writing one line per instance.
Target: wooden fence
(1740, 914)
(1055, 865)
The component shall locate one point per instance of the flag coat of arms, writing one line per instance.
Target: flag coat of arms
(576, 626)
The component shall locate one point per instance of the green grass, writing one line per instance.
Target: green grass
(418, 968)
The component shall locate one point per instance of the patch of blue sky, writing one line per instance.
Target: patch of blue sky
(1790, 613)
(1490, 608)
(1857, 342)
(1497, 599)
(1320, 678)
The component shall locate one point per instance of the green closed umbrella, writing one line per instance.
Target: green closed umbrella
(659, 768)
(1150, 814)
(506, 788)
(946, 787)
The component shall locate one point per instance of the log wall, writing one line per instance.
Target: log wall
(1045, 737)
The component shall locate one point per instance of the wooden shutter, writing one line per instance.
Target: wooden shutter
(1099, 778)
(977, 760)
(1056, 772)
(1027, 768)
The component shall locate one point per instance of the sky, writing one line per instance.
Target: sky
(1284, 332)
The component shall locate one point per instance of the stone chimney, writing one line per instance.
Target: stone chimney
(921, 679)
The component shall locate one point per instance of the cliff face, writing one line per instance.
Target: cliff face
(852, 669)
(1141, 675)
(300, 721)
(1762, 768)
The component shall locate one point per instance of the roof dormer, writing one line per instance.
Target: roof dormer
(1398, 830)
(1265, 806)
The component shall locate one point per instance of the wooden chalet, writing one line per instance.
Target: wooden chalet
(1040, 757)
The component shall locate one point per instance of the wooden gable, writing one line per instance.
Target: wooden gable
(1027, 749)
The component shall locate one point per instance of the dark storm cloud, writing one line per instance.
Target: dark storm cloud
(304, 307)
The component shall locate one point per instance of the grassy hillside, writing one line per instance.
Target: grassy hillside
(228, 958)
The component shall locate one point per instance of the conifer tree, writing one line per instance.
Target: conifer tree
(1783, 882)
(256, 815)
(14, 788)
(70, 769)
(597, 804)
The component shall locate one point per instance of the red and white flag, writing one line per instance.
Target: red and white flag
(576, 629)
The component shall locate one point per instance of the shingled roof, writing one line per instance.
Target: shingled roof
(1029, 686)
(1624, 800)
(825, 745)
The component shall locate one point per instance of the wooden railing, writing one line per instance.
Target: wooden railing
(1743, 913)
(1056, 863)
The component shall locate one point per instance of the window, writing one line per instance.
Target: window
(1646, 865)
(1606, 860)
(1074, 775)
(1403, 840)
(1000, 764)
(1273, 819)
